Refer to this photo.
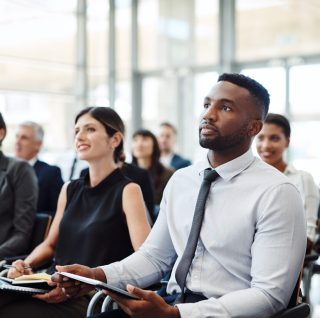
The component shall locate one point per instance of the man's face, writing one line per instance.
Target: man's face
(166, 139)
(227, 117)
(26, 145)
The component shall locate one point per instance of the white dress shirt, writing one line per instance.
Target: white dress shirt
(166, 160)
(310, 196)
(251, 246)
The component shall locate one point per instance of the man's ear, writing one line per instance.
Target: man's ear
(255, 127)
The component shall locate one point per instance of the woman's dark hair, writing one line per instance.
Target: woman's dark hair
(280, 121)
(156, 167)
(2, 126)
(111, 122)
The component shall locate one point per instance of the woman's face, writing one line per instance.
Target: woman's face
(142, 147)
(91, 139)
(271, 143)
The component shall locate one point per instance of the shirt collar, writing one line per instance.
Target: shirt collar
(231, 168)
(290, 169)
(33, 161)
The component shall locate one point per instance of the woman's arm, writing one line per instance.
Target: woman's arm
(136, 215)
(44, 251)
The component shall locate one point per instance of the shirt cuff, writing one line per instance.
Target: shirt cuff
(111, 274)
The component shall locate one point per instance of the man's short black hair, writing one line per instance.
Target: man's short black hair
(281, 121)
(258, 91)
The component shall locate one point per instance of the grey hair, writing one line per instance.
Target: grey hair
(38, 130)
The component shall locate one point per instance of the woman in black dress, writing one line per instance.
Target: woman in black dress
(100, 218)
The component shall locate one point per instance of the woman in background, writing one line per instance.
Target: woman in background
(100, 218)
(146, 155)
(272, 142)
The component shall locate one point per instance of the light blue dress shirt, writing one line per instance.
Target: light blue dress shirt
(251, 246)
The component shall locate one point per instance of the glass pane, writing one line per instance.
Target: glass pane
(123, 107)
(36, 76)
(304, 154)
(159, 101)
(273, 79)
(206, 32)
(123, 38)
(304, 90)
(273, 28)
(97, 28)
(166, 33)
(40, 30)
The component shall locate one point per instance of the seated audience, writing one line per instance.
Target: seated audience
(146, 155)
(167, 140)
(272, 142)
(29, 139)
(103, 209)
(244, 259)
(18, 199)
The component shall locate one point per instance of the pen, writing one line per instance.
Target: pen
(12, 266)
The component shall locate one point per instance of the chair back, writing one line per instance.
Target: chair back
(40, 229)
(296, 293)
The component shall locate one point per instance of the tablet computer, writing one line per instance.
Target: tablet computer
(100, 285)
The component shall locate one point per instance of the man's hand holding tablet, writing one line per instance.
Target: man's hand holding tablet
(99, 285)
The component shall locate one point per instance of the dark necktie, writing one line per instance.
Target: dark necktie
(188, 254)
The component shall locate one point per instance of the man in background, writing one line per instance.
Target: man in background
(167, 139)
(29, 140)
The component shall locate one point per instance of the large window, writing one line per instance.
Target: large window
(38, 64)
(276, 28)
(273, 78)
(177, 33)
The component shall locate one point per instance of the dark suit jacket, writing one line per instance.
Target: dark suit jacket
(177, 162)
(50, 183)
(18, 200)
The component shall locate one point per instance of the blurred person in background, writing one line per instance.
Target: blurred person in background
(29, 140)
(18, 200)
(146, 155)
(272, 142)
(101, 218)
(167, 139)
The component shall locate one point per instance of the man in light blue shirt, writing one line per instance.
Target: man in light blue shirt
(253, 236)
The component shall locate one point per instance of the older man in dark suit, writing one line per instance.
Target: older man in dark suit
(29, 139)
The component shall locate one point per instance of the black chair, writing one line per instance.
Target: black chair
(40, 231)
(295, 308)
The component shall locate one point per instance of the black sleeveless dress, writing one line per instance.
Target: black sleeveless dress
(93, 230)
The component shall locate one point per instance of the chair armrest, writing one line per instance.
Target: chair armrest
(94, 301)
(311, 258)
